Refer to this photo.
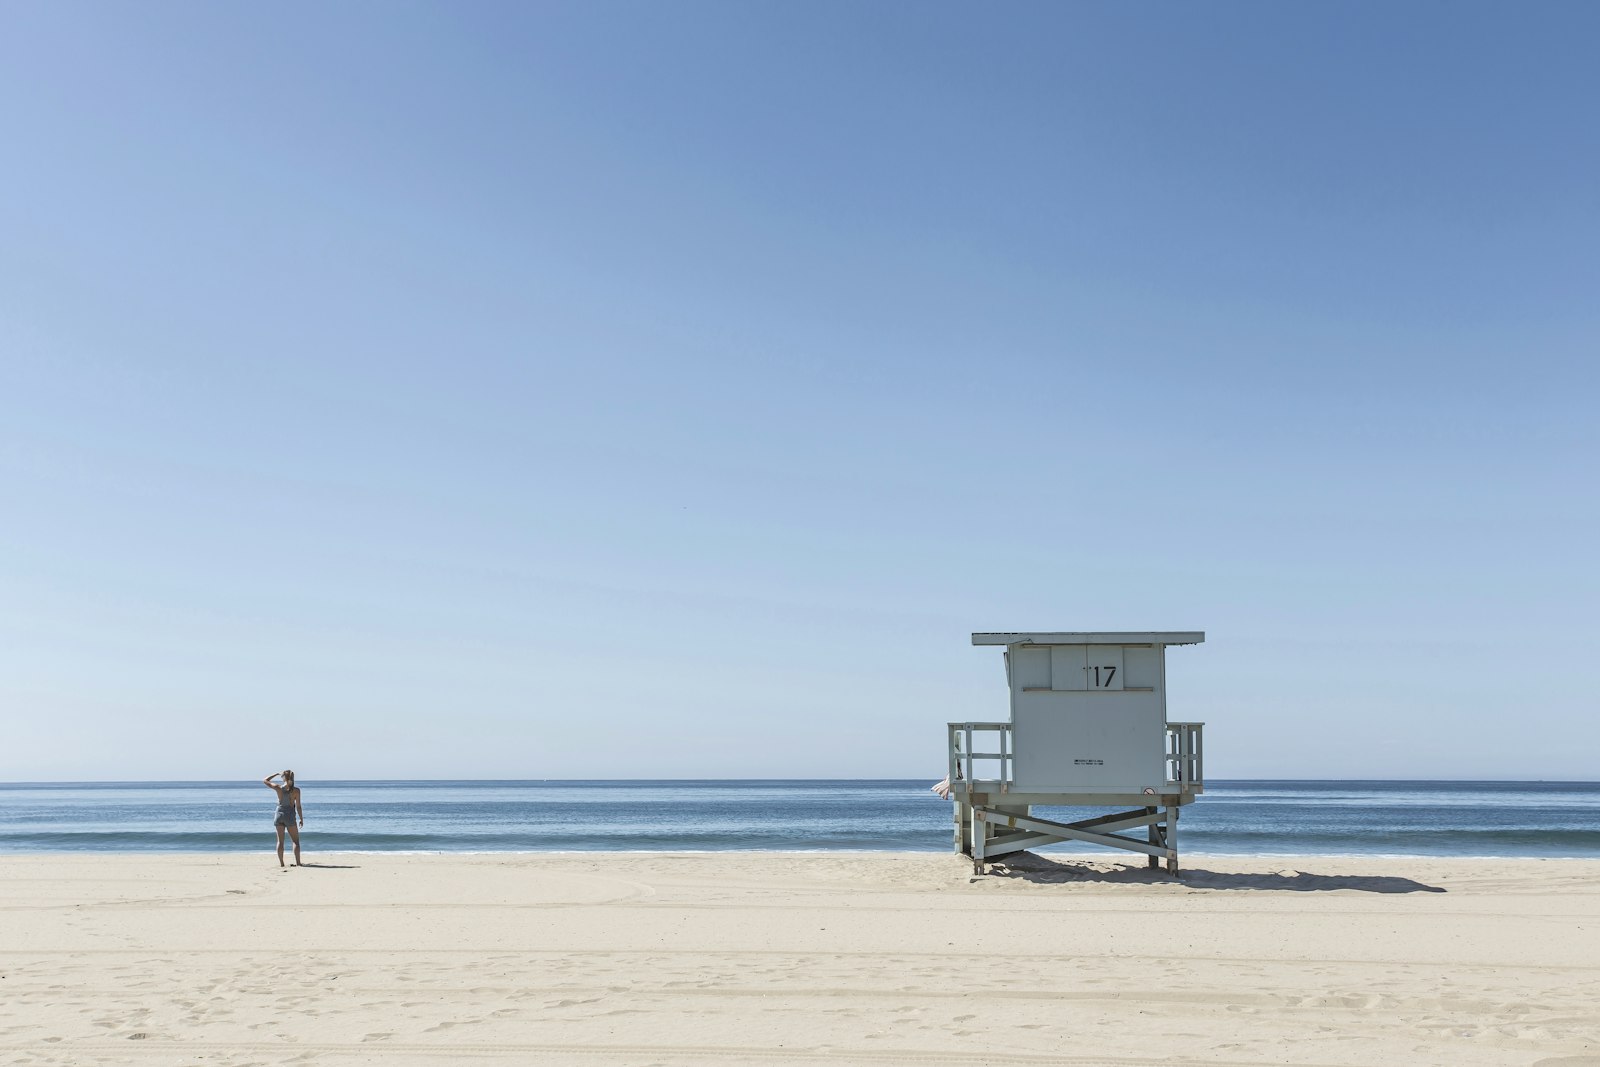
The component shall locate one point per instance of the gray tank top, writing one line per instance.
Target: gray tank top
(285, 802)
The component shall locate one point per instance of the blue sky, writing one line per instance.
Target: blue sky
(615, 390)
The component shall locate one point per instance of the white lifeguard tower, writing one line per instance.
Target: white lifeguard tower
(1088, 729)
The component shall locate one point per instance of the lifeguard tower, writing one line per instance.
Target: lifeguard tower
(1088, 728)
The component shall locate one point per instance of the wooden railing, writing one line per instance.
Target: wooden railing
(1185, 754)
(993, 765)
(963, 754)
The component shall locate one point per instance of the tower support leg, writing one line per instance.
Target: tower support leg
(980, 839)
(1172, 841)
(1153, 835)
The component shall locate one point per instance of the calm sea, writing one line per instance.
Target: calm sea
(1553, 819)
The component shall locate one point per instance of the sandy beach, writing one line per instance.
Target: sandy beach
(796, 959)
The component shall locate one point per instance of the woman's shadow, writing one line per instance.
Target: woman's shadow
(332, 866)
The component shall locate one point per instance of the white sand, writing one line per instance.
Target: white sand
(769, 958)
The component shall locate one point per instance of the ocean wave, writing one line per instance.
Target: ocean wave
(1245, 818)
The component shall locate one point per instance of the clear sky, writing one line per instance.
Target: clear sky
(669, 390)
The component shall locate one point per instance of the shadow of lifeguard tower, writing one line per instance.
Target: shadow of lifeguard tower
(1088, 728)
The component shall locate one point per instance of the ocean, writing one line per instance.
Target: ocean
(1543, 819)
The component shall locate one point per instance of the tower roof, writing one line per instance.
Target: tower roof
(1059, 637)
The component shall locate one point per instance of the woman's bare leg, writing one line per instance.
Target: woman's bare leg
(294, 832)
(280, 845)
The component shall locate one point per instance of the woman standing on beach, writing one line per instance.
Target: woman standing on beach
(289, 810)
